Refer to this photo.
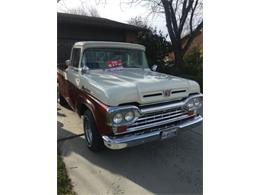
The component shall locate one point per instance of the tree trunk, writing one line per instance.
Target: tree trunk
(178, 63)
(179, 59)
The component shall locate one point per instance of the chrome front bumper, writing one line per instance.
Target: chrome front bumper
(123, 141)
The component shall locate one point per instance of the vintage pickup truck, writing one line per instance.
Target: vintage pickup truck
(121, 101)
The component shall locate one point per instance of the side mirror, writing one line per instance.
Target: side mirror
(84, 70)
(67, 62)
(154, 67)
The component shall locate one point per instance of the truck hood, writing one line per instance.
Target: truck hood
(115, 87)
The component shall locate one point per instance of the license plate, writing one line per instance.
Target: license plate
(169, 133)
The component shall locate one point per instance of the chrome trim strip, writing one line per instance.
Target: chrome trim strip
(119, 108)
(156, 119)
(120, 142)
(168, 106)
(158, 115)
(157, 123)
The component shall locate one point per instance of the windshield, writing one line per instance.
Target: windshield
(100, 58)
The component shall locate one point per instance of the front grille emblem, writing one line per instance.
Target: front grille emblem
(167, 93)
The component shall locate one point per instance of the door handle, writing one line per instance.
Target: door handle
(77, 81)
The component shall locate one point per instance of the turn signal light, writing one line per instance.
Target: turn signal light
(191, 112)
(121, 129)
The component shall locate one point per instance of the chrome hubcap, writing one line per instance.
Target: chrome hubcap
(88, 130)
(58, 94)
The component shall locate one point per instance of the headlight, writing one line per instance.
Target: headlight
(197, 102)
(122, 115)
(117, 118)
(190, 105)
(193, 103)
(129, 116)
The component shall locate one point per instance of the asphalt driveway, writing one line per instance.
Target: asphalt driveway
(173, 166)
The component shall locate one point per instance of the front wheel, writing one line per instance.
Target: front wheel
(93, 138)
(60, 99)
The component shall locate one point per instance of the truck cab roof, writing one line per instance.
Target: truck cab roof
(108, 44)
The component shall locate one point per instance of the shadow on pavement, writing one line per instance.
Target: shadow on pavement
(173, 166)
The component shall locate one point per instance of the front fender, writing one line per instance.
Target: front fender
(98, 110)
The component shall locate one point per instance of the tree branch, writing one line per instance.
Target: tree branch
(192, 14)
(172, 18)
(185, 13)
(176, 6)
(169, 23)
(176, 28)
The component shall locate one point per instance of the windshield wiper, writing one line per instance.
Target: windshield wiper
(133, 67)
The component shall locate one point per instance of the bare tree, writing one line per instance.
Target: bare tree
(182, 17)
(84, 12)
(140, 22)
(83, 9)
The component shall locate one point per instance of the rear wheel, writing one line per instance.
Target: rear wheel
(93, 138)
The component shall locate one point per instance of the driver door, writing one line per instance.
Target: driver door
(74, 75)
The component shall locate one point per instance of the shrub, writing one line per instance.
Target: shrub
(193, 66)
(191, 69)
(193, 61)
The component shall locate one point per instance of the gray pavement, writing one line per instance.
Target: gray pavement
(172, 166)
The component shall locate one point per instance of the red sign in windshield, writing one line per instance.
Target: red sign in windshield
(114, 63)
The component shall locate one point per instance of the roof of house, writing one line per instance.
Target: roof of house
(187, 35)
(94, 21)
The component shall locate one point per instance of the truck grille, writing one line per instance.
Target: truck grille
(159, 118)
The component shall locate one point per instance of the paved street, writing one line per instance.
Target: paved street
(173, 166)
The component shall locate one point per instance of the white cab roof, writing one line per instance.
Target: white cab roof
(103, 44)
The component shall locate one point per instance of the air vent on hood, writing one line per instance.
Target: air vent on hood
(152, 95)
(179, 91)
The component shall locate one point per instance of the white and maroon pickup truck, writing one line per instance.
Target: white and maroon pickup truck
(121, 101)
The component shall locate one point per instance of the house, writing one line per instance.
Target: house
(73, 28)
(197, 42)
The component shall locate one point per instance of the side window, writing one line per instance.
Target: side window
(75, 57)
